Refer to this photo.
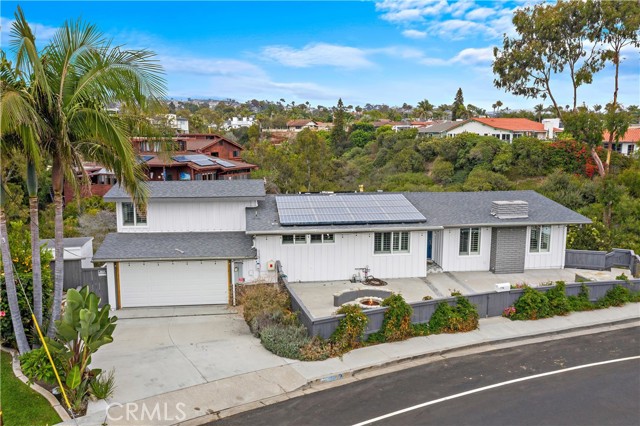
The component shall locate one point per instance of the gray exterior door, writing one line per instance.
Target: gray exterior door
(508, 249)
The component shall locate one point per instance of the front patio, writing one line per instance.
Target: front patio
(318, 296)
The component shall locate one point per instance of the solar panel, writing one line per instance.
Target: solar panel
(224, 163)
(340, 209)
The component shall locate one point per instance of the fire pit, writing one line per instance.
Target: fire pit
(368, 302)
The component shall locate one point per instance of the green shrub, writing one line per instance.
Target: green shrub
(427, 298)
(263, 299)
(622, 277)
(36, 366)
(284, 340)
(397, 319)
(616, 296)
(580, 302)
(266, 319)
(421, 329)
(452, 319)
(351, 328)
(531, 305)
(103, 386)
(558, 301)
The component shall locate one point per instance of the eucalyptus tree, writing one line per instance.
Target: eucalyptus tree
(84, 73)
(549, 40)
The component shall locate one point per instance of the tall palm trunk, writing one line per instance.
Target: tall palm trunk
(57, 181)
(10, 282)
(32, 186)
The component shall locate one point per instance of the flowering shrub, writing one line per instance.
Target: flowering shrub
(509, 312)
(519, 285)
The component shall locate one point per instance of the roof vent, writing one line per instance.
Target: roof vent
(510, 209)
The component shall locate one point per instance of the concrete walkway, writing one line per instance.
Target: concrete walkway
(224, 397)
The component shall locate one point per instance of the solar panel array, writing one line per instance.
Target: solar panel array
(341, 209)
(202, 160)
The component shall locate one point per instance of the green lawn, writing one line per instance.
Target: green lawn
(22, 406)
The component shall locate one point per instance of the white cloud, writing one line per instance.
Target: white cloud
(410, 10)
(318, 54)
(209, 66)
(469, 56)
(42, 33)
(458, 29)
(480, 13)
(414, 34)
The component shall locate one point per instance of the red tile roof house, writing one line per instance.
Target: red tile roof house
(627, 144)
(506, 129)
(197, 157)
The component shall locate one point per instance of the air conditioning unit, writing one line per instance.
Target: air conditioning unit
(271, 265)
(503, 287)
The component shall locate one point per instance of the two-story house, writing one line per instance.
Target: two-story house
(198, 238)
(196, 157)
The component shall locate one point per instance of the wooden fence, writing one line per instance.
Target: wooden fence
(601, 260)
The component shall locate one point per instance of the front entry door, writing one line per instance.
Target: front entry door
(429, 244)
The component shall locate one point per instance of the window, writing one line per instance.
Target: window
(236, 153)
(321, 238)
(540, 239)
(131, 216)
(391, 242)
(469, 241)
(630, 149)
(294, 239)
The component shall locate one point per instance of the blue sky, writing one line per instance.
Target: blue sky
(365, 52)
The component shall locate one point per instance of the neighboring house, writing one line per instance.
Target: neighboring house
(100, 181)
(78, 249)
(506, 129)
(437, 130)
(197, 157)
(197, 238)
(179, 124)
(553, 126)
(239, 122)
(298, 125)
(627, 144)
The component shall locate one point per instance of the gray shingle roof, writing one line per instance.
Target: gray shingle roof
(239, 188)
(265, 219)
(439, 127)
(67, 242)
(474, 208)
(441, 209)
(175, 245)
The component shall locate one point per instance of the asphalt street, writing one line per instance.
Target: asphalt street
(606, 394)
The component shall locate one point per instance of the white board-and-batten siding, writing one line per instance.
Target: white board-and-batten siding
(554, 258)
(454, 262)
(339, 260)
(194, 216)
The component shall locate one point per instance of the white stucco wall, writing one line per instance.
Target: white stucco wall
(338, 260)
(482, 129)
(554, 258)
(194, 216)
(111, 284)
(453, 261)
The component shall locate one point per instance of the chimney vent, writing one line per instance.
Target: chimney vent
(510, 209)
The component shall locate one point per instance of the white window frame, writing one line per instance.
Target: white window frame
(467, 250)
(399, 242)
(139, 220)
(536, 240)
(324, 238)
(296, 239)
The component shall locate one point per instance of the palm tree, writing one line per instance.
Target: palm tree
(539, 109)
(84, 74)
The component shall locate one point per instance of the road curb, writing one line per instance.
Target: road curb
(344, 378)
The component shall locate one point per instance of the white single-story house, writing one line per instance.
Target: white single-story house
(197, 238)
(506, 129)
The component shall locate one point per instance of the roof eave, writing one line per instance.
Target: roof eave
(165, 259)
(242, 198)
(287, 231)
(530, 223)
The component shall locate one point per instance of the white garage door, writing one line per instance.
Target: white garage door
(173, 283)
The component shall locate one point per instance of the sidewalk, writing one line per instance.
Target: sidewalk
(210, 401)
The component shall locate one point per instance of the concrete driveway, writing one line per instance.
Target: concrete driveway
(158, 350)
